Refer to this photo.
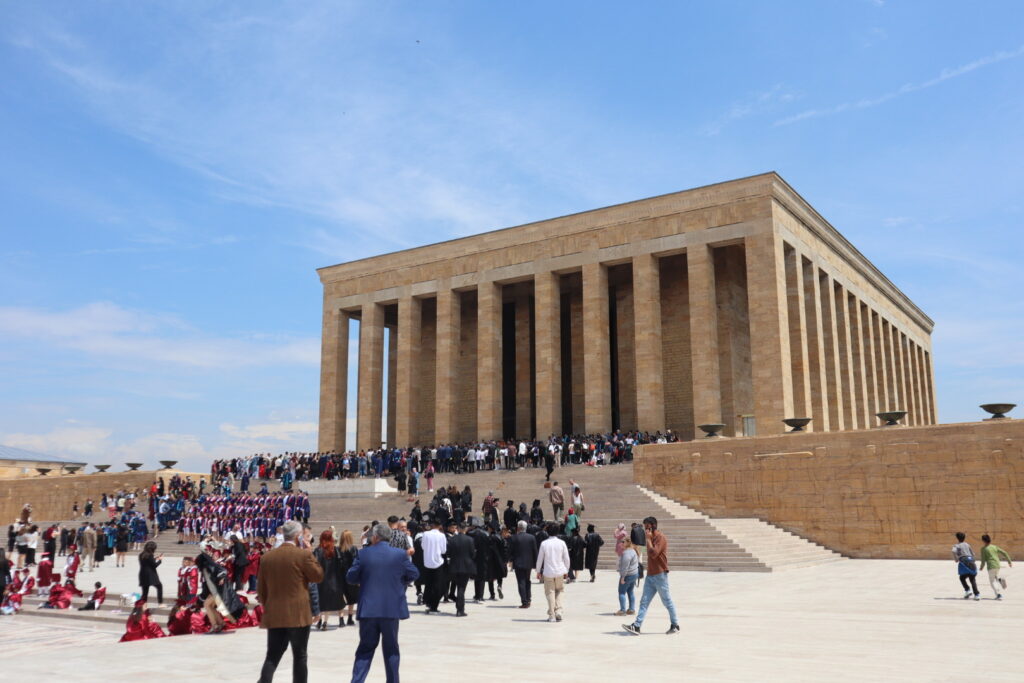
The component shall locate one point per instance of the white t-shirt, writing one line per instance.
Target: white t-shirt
(435, 545)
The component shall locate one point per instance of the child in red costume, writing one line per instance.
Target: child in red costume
(140, 626)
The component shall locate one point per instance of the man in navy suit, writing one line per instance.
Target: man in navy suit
(383, 573)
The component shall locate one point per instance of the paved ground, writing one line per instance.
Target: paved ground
(861, 620)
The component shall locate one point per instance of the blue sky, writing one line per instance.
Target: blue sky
(172, 174)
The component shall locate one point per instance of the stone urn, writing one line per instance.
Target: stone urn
(43, 471)
(168, 464)
(73, 469)
(891, 417)
(711, 430)
(133, 466)
(100, 469)
(797, 423)
(998, 410)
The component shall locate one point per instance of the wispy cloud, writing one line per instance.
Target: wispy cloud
(379, 150)
(945, 75)
(760, 103)
(106, 330)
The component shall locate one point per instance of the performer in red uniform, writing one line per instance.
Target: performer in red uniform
(99, 594)
(140, 625)
(44, 574)
(188, 581)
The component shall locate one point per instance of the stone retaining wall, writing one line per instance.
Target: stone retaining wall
(898, 492)
(53, 495)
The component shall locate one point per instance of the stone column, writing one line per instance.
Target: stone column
(371, 387)
(547, 300)
(881, 365)
(847, 353)
(771, 369)
(798, 337)
(895, 399)
(915, 367)
(707, 388)
(392, 380)
(449, 324)
(650, 388)
(524, 373)
(899, 348)
(933, 414)
(488, 378)
(597, 369)
(833, 359)
(816, 348)
(333, 382)
(410, 317)
(870, 364)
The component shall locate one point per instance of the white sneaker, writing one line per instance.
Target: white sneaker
(551, 620)
(977, 597)
(967, 595)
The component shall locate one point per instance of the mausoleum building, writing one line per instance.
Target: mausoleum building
(735, 303)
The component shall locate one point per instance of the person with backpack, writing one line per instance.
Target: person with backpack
(966, 568)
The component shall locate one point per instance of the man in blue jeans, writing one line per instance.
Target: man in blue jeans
(657, 579)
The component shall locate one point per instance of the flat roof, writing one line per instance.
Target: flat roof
(13, 453)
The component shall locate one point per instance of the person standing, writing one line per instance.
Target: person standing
(331, 589)
(594, 543)
(148, 576)
(629, 566)
(639, 539)
(657, 579)
(552, 567)
(557, 497)
(435, 545)
(461, 563)
(383, 574)
(89, 546)
(990, 560)
(523, 558)
(283, 591)
(966, 568)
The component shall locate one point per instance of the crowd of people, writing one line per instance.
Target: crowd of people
(413, 463)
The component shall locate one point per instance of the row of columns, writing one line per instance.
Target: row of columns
(816, 350)
(849, 361)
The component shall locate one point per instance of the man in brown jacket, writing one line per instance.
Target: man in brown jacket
(283, 591)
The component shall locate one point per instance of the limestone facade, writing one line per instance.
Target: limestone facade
(888, 492)
(735, 303)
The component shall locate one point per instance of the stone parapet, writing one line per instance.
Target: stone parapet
(52, 496)
(898, 492)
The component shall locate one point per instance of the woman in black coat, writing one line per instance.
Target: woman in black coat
(332, 587)
(576, 550)
(148, 576)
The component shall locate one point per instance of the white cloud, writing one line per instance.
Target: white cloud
(866, 103)
(756, 104)
(71, 441)
(107, 330)
(274, 431)
(163, 446)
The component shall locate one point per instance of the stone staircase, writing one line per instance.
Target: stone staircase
(696, 542)
(774, 547)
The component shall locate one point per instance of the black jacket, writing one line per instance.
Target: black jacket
(147, 570)
(523, 551)
(461, 555)
(481, 552)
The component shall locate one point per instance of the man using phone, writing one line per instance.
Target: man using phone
(657, 579)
